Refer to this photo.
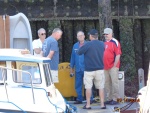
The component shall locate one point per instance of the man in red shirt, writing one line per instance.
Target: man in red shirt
(111, 66)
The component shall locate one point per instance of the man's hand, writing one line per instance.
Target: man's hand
(41, 53)
(71, 72)
(37, 50)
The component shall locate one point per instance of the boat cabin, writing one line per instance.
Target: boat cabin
(26, 84)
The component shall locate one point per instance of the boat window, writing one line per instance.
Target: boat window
(47, 74)
(3, 74)
(23, 77)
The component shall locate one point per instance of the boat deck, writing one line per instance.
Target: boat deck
(95, 108)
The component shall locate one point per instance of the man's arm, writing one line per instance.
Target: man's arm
(118, 54)
(50, 55)
(116, 60)
(54, 47)
(83, 49)
(72, 60)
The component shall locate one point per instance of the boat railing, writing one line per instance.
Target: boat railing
(2, 68)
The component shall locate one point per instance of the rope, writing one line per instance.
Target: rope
(14, 105)
(124, 108)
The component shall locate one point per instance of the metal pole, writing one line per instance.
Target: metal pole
(19, 71)
(4, 77)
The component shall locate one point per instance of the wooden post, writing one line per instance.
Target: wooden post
(7, 30)
(4, 32)
(104, 9)
(1, 32)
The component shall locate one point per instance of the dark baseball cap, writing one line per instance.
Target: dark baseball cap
(93, 32)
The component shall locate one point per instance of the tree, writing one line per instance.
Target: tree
(104, 9)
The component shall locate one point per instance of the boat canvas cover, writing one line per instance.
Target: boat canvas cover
(15, 55)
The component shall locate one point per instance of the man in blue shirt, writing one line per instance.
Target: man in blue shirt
(51, 50)
(93, 57)
(77, 61)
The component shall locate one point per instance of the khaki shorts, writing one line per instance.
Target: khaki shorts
(94, 76)
(55, 76)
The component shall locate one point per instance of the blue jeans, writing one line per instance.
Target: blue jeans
(79, 85)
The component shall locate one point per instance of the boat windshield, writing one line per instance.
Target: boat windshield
(23, 77)
(47, 74)
(2, 73)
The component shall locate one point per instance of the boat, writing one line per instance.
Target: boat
(26, 84)
(20, 32)
(144, 96)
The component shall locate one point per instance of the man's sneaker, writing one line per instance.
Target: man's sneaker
(78, 102)
(113, 102)
(108, 102)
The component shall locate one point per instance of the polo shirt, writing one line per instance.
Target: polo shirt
(112, 49)
(51, 44)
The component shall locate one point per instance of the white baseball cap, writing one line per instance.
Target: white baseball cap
(107, 31)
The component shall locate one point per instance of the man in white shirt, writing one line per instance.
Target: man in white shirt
(37, 43)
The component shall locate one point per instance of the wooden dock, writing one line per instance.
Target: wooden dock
(95, 108)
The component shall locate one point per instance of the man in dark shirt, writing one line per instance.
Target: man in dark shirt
(93, 58)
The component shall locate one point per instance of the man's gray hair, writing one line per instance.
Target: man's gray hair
(80, 32)
(41, 29)
(57, 30)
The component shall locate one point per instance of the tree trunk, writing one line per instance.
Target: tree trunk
(146, 45)
(105, 20)
(138, 43)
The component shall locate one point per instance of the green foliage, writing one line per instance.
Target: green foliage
(128, 56)
(30, 1)
(53, 24)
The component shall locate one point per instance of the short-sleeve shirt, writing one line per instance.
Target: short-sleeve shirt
(51, 44)
(37, 43)
(112, 49)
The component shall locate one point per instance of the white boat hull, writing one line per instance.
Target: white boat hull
(22, 97)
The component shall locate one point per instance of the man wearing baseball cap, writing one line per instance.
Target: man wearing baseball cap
(111, 66)
(93, 59)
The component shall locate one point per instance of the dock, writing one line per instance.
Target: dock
(95, 108)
